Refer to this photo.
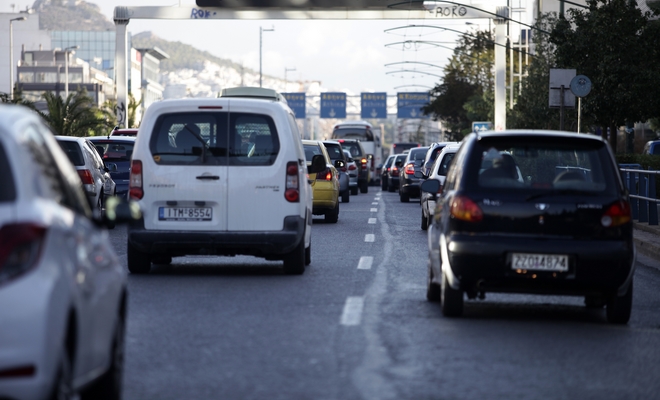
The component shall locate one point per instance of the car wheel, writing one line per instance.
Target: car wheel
(63, 385)
(138, 262)
(308, 255)
(333, 215)
(108, 386)
(425, 222)
(390, 188)
(618, 308)
(383, 185)
(294, 262)
(451, 300)
(364, 187)
(404, 197)
(345, 197)
(354, 191)
(162, 260)
(432, 289)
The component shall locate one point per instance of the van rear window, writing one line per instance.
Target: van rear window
(215, 138)
(8, 192)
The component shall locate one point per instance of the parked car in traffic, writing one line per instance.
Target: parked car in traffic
(354, 146)
(432, 154)
(565, 228)
(116, 152)
(90, 166)
(652, 147)
(352, 170)
(395, 172)
(335, 152)
(437, 171)
(408, 182)
(62, 286)
(325, 183)
(203, 190)
(384, 174)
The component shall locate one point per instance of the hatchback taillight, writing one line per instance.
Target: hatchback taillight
(410, 169)
(292, 186)
(617, 214)
(135, 183)
(364, 163)
(394, 171)
(465, 209)
(20, 248)
(324, 175)
(352, 167)
(86, 176)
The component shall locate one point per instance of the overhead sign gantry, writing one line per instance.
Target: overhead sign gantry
(309, 9)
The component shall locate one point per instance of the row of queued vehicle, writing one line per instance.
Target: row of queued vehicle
(535, 212)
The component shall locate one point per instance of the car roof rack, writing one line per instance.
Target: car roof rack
(253, 93)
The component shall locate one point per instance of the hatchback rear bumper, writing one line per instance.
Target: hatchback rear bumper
(595, 267)
(256, 243)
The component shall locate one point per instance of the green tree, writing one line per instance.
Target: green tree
(75, 116)
(609, 43)
(18, 99)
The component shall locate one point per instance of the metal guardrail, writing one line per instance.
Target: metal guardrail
(642, 190)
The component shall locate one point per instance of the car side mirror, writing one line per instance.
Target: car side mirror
(430, 186)
(318, 164)
(340, 164)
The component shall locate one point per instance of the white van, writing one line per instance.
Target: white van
(221, 176)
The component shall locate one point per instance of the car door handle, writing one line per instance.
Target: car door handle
(209, 177)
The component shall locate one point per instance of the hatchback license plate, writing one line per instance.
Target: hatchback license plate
(185, 213)
(539, 262)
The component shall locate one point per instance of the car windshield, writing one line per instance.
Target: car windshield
(556, 164)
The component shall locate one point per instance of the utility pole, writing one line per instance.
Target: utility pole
(261, 31)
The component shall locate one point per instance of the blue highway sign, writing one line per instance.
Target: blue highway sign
(373, 105)
(409, 104)
(297, 103)
(333, 105)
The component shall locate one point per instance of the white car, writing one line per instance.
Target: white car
(204, 191)
(438, 171)
(62, 287)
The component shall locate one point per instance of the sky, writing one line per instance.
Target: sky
(351, 56)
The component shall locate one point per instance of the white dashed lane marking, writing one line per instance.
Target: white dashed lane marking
(374, 210)
(352, 313)
(365, 262)
(369, 237)
(375, 203)
(373, 220)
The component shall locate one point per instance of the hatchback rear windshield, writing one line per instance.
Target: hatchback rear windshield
(540, 163)
(353, 133)
(334, 151)
(215, 138)
(353, 148)
(115, 150)
(8, 192)
(418, 154)
(73, 151)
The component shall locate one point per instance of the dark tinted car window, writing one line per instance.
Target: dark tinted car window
(115, 150)
(8, 192)
(73, 151)
(214, 138)
(543, 164)
(353, 147)
(334, 151)
(445, 163)
(418, 154)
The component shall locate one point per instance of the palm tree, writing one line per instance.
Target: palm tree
(110, 106)
(76, 115)
(18, 99)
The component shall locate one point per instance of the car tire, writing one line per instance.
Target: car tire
(345, 197)
(294, 262)
(404, 197)
(308, 255)
(109, 385)
(354, 191)
(432, 289)
(383, 185)
(618, 308)
(425, 221)
(364, 187)
(332, 216)
(138, 262)
(162, 260)
(63, 384)
(390, 188)
(451, 300)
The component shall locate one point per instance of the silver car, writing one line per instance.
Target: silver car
(352, 171)
(336, 152)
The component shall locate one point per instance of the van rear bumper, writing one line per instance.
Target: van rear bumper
(266, 244)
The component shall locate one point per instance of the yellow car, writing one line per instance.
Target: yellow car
(325, 184)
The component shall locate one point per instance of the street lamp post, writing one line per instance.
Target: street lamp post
(66, 71)
(261, 31)
(285, 75)
(11, 55)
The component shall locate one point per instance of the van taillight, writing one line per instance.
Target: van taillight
(617, 214)
(20, 248)
(86, 176)
(292, 188)
(135, 183)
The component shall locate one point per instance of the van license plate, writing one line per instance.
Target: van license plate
(185, 213)
(539, 262)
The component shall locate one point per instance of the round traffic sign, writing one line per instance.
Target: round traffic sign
(580, 85)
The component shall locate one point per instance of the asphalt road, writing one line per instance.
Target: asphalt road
(355, 327)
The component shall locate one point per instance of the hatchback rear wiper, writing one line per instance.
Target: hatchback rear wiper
(557, 193)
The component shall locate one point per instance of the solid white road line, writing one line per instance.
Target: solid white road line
(369, 237)
(352, 313)
(365, 262)
(373, 220)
